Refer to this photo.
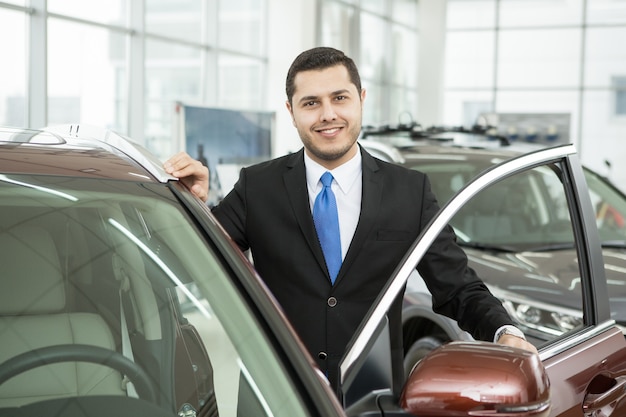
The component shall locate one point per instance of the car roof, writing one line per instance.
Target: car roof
(77, 151)
(414, 142)
(441, 152)
(382, 150)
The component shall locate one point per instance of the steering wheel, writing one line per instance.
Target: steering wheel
(80, 353)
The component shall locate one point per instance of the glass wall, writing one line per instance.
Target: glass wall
(124, 64)
(537, 56)
(13, 101)
(382, 37)
(87, 74)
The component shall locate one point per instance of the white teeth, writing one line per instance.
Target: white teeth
(330, 130)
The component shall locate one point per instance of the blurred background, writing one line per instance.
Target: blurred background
(544, 71)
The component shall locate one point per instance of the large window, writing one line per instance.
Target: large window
(382, 38)
(13, 71)
(123, 64)
(535, 56)
(86, 75)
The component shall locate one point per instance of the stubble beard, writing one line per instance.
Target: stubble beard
(330, 154)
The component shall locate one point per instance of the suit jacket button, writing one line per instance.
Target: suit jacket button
(322, 355)
(332, 301)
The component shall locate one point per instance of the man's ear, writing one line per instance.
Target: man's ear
(288, 105)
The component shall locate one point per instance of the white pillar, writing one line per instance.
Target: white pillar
(432, 37)
(37, 94)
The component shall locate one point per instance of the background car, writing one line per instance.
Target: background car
(121, 295)
(517, 236)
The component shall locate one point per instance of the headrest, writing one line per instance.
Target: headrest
(31, 281)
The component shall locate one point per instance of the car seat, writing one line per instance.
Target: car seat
(499, 214)
(33, 314)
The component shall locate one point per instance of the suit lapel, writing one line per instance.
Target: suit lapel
(370, 204)
(296, 189)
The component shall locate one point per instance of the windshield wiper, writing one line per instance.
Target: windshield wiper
(488, 247)
(551, 246)
(617, 244)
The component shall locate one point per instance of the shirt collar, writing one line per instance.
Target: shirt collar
(345, 175)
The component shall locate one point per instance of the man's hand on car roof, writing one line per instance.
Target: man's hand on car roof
(191, 172)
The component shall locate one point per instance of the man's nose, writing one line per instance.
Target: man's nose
(328, 112)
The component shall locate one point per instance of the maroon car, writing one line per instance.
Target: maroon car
(121, 295)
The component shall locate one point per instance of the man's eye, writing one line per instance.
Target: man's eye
(339, 98)
(309, 104)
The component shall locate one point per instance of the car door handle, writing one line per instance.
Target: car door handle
(604, 403)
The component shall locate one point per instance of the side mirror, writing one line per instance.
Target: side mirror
(477, 379)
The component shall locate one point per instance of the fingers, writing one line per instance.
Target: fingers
(191, 172)
(201, 192)
(517, 342)
(183, 165)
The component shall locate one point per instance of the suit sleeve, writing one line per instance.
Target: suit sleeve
(456, 290)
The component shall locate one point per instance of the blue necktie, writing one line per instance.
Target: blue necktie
(327, 225)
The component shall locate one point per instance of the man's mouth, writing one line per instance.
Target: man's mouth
(328, 131)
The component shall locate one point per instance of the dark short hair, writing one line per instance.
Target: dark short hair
(318, 59)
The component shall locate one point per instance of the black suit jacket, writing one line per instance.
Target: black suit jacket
(268, 212)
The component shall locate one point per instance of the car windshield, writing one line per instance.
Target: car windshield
(120, 266)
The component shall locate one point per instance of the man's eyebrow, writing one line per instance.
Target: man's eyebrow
(333, 94)
(307, 98)
(340, 92)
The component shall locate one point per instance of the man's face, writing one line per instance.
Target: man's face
(326, 108)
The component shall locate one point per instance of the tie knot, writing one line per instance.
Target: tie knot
(326, 179)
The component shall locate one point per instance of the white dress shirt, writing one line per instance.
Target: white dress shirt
(347, 186)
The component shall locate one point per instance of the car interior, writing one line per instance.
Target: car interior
(499, 215)
(35, 314)
(83, 312)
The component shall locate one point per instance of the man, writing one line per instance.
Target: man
(382, 208)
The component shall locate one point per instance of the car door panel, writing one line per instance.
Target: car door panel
(581, 373)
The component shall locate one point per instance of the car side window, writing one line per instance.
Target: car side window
(519, 238)
(222, 361)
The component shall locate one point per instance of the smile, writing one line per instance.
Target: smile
(329, 131)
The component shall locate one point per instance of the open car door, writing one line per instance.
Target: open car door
(586, 365)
